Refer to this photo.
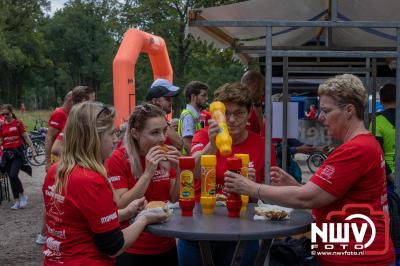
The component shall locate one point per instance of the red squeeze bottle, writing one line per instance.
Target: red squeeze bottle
(234, 202)
(186, 188)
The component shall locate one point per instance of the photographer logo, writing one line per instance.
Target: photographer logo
(350, 233)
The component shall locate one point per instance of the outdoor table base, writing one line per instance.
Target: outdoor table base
(220, 227)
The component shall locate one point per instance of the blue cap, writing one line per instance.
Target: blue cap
(161, 88)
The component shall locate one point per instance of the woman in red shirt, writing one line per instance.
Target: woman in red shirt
(12, 137)
(82, 219)
(145, 166)
(354, 173)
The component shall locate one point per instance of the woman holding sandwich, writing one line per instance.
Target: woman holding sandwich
(82, 219)
(145, 166)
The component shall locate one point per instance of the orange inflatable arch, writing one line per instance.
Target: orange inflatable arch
(134, 43)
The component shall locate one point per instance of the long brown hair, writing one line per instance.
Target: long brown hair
(138, 120)
(10, 109)
(85, 125)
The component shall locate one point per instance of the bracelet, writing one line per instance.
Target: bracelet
(258, 191)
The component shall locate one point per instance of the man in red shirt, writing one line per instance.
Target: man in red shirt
(56, 124)
(238, 102)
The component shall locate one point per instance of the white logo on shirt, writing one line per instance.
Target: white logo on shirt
(198, 145)
(57, 233)
(54, 123)
(53, 244)
(109, 218)
(327, 173)
(160, 175)
(114, 178)
(12, 129)
(50, 192)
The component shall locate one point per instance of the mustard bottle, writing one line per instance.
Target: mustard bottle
(208, 175)
(223, 139)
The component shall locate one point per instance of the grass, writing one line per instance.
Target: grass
(30, 118)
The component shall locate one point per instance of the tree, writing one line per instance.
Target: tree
(22, 47)
(190, 58)
(82, 45)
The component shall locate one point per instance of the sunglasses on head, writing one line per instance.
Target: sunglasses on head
(104, 110)
(144, 108)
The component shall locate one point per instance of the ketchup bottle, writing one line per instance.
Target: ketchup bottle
(244, 172)
(234, 202)
(186, 188)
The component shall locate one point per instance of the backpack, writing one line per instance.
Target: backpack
(291, 251)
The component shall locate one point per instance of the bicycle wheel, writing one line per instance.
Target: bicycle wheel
(40, 157)
(314, 161)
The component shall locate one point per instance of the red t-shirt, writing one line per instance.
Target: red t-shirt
(355, 173)
(204, 117)
(73, 218)
(252, 145)
(252, 122)
(120, 176)
(11, 134)
(58, 119)
(60, 135)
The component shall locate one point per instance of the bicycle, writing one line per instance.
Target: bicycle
(317, 158)
(38, 144)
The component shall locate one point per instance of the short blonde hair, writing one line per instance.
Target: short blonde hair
(346, 89)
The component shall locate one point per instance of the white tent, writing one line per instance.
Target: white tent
(243, 38)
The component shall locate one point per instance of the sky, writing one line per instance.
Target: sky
(56, 4)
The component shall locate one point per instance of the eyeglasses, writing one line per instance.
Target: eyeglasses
(105, 110)
(5, 114)
(237, 114)
(325, 112)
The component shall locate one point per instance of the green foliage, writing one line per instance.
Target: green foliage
(42, 57)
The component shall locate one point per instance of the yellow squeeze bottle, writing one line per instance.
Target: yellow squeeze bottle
(244, 172)
(223, 139)
(208, 175)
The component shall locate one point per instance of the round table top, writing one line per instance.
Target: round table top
(220, 227)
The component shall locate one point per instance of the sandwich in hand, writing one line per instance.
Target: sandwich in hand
(158, 206)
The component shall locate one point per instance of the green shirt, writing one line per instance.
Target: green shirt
(386, 131)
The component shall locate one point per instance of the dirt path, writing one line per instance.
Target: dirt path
(18, 228)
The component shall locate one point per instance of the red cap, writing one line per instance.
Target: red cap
(233, 164)
(186, 162)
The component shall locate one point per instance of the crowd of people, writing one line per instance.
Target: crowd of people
(99, 179)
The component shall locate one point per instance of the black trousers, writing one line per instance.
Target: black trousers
(12, 167)
(169, 258)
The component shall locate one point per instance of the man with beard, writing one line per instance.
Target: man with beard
(160, 94)
(196, 95)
